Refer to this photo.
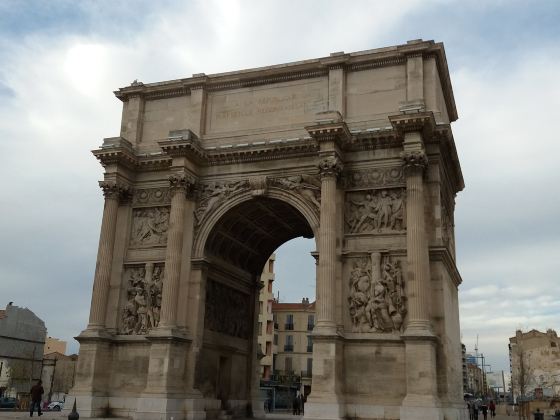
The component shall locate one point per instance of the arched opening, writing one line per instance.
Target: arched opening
(237, 249)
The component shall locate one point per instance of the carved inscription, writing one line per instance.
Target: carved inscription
(149, 226)
(373, 177)
(262, 106)
(213, 194)
(227, 310)
(143, 302)
(308, 186)
(376, 297)
(381, 211)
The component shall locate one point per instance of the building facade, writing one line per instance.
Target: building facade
(294, 337)
(22, 341)
(53, 345)
(534, 363)
(266, 322)
(58, 375)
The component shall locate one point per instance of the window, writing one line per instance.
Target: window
(310, 322)
(309, 367)
(271, 269)
(309, 344)
(289, 322)
(260, 328)
(269, 327)
(275, 319)
(268, 348)
(289, 346)
(270, 286)
(260, 307)
(288, 364)
(275, 339)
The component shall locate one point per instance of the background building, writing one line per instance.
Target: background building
(266, 322)
(53, 345)
(58, 375)
(534, 363)
(295, 345)
(22, 341)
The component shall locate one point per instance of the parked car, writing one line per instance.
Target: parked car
(8, 402)
(56, 406)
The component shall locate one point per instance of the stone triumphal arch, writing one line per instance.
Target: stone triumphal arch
(210, 174)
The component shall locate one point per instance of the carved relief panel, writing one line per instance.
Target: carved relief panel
(144, 285)
(227, 310)
(213, 194)
(308, 186)
(149, 226)
(376, 294)
(375, 211)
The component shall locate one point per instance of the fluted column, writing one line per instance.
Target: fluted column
(418, 279)
(329, 169)
(112, 192)
(180, 185)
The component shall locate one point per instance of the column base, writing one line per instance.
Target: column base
(151, 407)
(86, 405)
(421, 413)
(327, 410)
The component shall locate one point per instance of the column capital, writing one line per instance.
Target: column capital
(330, 166)
(181, 183)
(414, 160)
(114, 190)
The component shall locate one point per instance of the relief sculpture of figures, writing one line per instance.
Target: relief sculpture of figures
(375, 211)
(227, 310)
(149, 226)
(308, 186)
(142, 309)
(376, 299)
(212, 195)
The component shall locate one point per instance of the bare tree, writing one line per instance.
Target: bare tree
(522, 378)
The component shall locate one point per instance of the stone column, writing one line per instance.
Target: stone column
(418, 279)
(179, 186)
(112, 192)
(421, 401)
(329, 168)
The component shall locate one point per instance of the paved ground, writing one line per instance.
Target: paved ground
(275, 416)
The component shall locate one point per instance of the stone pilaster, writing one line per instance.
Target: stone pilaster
(112, 192)
(329, 169)
(180, 185)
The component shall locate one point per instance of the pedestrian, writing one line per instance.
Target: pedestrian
(295, 405)
(36, 392)
(492, 408)
(475, 410)
(470, 407)
(484, 409)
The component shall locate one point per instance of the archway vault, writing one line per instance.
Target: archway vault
(248, 233)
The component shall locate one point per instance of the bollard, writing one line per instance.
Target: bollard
(74, 414)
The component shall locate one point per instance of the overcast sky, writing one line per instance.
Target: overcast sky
(61, 60)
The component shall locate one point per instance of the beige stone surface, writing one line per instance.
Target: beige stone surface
(210, 174)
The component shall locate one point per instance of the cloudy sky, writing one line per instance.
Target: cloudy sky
(61, 60)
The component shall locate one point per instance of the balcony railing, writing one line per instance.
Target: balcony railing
(306, 373)
(289, 326)
(288, 347)
(310, 327)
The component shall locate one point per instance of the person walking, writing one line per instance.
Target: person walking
(36, 392)
(484, 409)
(492, 408)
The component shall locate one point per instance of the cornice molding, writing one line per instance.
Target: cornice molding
(116, 150)
(423, 122)
(443, 255)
